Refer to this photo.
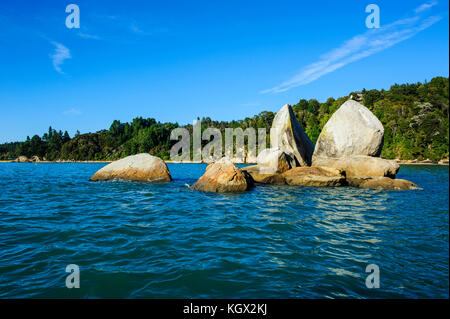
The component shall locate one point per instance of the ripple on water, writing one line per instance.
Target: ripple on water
(136, 240)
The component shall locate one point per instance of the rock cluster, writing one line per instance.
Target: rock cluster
(346, 154)
(352, 141)
(24, 159)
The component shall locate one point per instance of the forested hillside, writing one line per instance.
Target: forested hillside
(415, 118)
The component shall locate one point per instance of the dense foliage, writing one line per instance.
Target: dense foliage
(415, 119)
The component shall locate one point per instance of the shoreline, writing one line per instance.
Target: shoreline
(400, 162)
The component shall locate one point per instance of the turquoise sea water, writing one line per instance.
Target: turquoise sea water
(135, 240)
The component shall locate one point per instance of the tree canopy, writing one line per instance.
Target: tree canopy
(415, 119)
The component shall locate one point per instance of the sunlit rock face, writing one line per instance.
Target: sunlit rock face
(352, 141)
(272, 162)
(21, 159)
(314, 176)
(223, 177)
(351, 130)
(288, 135)
(274, 159)
(384, 183)
(263, 175)
(360, 166)
(140, 167)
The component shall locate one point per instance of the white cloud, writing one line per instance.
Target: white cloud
(358, 47)
(425, 6)
(61, 53)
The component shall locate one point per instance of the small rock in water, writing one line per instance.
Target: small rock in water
(140, 167)
(223, 176)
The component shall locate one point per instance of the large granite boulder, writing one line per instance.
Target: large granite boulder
(351, 130)
(384, 183)
(140, 167)
(315, 176)
(223, 177)
(288, 135)
(360, 166)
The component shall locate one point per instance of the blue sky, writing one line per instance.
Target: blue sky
(177, 60)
